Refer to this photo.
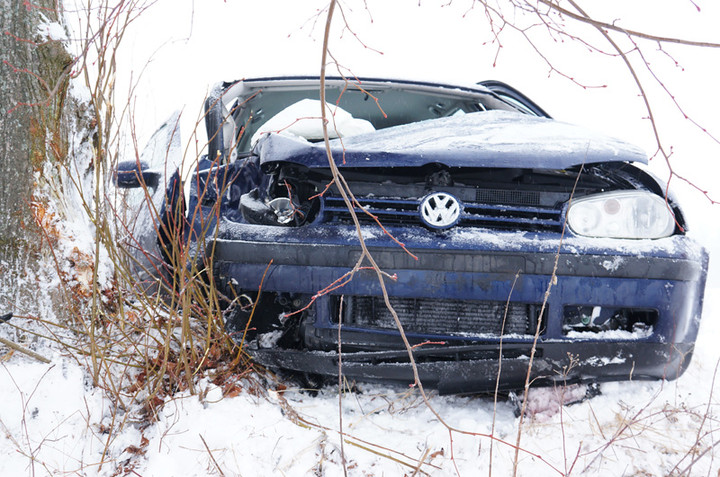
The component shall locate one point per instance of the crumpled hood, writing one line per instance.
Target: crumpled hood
(482, 139)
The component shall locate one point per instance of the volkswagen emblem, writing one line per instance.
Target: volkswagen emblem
(440, 210)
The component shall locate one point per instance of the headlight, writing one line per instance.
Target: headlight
(627, 214)
(283, 208)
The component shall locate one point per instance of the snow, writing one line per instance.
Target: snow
(498, 132)
(53, 421)
(613, 265)
(301, 120)
(49, 413)
(486, 139)
(294, 433)
(52, 31)
(604, 360)
(614, 335)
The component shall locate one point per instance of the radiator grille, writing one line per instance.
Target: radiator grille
(521, 215)
(499, 196)
(440, 316)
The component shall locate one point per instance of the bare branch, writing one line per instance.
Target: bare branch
(584, 18)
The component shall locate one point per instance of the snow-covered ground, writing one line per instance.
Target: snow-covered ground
(53, 421)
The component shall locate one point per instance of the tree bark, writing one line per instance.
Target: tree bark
(33, 83)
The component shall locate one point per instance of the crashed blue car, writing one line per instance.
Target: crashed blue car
(497, 228)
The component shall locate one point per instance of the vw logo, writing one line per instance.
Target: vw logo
(440, 210)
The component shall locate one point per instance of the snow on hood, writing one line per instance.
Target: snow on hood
(482, 139)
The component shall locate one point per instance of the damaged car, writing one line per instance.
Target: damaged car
(501, 234)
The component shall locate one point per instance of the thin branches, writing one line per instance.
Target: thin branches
(350, 203)
(584, 18)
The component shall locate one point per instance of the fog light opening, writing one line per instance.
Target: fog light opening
(598, 319)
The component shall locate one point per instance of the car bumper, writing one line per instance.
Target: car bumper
(666, 276)
(456, 371)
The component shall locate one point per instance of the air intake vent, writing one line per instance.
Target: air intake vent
(441, 317)
(514, 197)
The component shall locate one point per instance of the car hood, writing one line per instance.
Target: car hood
(482, 139)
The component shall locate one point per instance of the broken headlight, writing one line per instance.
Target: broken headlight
(278, 211)
(284, 209)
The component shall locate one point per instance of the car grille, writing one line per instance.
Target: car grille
(440, 316)
(518, 210)
(500, 196)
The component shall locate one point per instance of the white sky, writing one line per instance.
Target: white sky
(430, 41)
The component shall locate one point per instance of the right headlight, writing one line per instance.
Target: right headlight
(624, 214)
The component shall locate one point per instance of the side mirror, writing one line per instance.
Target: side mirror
(132, 174)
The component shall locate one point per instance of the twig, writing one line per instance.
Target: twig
(25, 351)
(349, 200)
(415, 468)
(610, 26)
(326, 40)
(497, 378)
(551, 283)
(211, 455)
(421, 462)
(340, 389)
(698, 437)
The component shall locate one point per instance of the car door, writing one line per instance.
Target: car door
(153, 199)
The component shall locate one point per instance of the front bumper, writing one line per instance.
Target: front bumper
(457, 371)
(666, 276)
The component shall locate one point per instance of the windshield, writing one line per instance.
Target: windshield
(381, 104)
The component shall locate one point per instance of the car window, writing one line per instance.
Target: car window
(381, 107)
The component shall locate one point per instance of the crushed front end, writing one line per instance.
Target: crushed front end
(499, 234)
(471, 297)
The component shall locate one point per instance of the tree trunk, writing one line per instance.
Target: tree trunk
(32, 91)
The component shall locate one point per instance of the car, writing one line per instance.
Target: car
(510, 244)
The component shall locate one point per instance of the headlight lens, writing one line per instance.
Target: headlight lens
(626, 214)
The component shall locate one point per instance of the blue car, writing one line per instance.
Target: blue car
(501, 234)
